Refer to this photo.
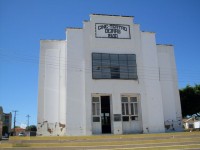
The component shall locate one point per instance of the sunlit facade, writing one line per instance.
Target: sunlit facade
(108, 77)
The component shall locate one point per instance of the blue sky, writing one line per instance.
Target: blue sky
(24, 22)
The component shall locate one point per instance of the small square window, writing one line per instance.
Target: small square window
(134, 117)
(124, 99)
(96, 119)
(95, 99)
(117, 117)
(125, 118)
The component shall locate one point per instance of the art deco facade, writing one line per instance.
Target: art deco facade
(107, 77)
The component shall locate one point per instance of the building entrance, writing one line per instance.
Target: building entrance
(105, 114)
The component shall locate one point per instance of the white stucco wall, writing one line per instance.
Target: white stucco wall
(169, 87)
(153, 98)
(52, 93)
(75, 83)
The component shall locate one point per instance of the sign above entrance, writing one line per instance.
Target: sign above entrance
(117, 31)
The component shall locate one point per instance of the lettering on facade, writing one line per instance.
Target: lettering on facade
(118, 31)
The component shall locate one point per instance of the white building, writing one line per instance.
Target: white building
(107, 77)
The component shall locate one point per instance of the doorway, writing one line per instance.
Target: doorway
(105, 114)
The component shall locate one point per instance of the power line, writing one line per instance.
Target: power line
(56, 62)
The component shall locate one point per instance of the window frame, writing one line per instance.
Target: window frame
(127, 113)
(96, 109)
(114, 66)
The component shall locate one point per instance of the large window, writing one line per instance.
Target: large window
(114, 66)
(129, 108)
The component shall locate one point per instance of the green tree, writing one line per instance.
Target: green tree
(5, 130)
(190, 100)
(31, 128)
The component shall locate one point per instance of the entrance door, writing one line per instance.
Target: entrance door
(105, 114)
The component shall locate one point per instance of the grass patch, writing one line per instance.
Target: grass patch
(136, 141)
(109, 143)
(96, 137)
(21, 145)
(176, 147)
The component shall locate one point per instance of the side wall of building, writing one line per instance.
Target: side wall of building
(52, 88)
(169, 87)
(153, 120)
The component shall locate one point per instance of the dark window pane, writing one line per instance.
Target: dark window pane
(105, 56)
(131, 69)
(123, 69)
(115, 76)
(114, 66)
(123, 109)
(106, 69)
(134, 118)
(114, 57)
(114, 63)
(123, 57)
(95, 99)
(123, 75)
(96, 56)
(96, 62)
(117, 117)
(125, 118)
(131, 63)
(132, 75)
(115, 73)
(132, 57)
(127, 110)
(93, 109)
(115, 70)
(122, 63)
(97, 75)
(133, 99)
(106, 63)
(124, 99)
(132, 109)
(96, 69)
(96, 119)
(105, 75)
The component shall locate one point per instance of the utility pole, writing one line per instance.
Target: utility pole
(14, 120)
(28, 116)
